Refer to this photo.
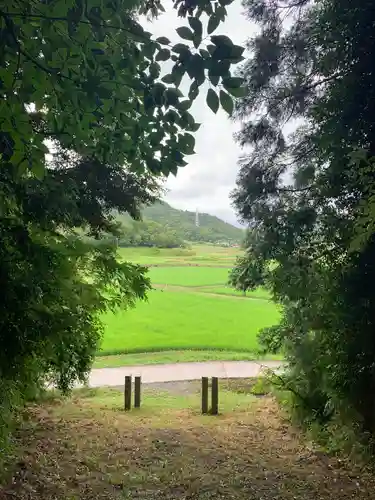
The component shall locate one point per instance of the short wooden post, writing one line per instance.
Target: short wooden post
(128, 393)
(215, 396)
(204, 395)
(137, 392)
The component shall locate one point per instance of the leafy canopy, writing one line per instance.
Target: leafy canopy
(89, 75)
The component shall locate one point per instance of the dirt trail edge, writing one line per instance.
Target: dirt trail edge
(112, 377)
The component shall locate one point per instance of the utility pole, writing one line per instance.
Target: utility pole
(196, 217)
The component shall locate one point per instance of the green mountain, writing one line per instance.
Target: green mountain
(165, 226)
(211, 228)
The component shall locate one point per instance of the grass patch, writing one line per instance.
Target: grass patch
(188, 276)
(179, 321)
(157, 398)
(205, 254)
(86, 448)
(156, 358)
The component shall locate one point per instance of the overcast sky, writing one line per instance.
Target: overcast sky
(205, 183)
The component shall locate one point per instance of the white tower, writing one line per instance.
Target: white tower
(196, 218)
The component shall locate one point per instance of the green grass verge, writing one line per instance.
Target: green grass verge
(165, 357)
(157, 401)
(180, 321)
(189, 276)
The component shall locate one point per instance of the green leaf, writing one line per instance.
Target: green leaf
(149, 49)
(235, 56)
(185, 105)
(157, 93)
(213, 23)
(177, 73)
(38, 170)
(225, 2)
(197, 40)
(219, 68)
(186, 144)
(172, 116)
(185, 33)
(172, 96)
(226, 102)
(136, 32)
(220, 40)
(195, 127)
(163, 40)
(224, 47)
(163, 55)
(177, 157)
(153, 164)
(168, 79)
(154, 70)
(195, 68)
(221, 12)
(196, 26)
(173, 170)
(186, 120)
(193, 91)
(212, 100)
(214, 79)
(180, 48)
(233, 82)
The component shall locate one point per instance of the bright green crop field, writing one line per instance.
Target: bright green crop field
(191, 309)
(189, 275)
(176, 321)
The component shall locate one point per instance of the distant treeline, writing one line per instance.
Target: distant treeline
(149, 234)
(152, 234)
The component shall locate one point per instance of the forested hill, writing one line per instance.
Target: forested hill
(165, 226)
(210, 226)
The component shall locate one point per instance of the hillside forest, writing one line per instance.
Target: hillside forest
(166, 227)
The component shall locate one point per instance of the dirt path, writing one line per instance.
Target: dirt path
(198, 264)
(198, 289)
(90, 449)
(113, 377)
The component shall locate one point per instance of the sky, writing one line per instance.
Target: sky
(206, 182)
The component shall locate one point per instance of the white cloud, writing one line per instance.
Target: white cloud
(205, 183)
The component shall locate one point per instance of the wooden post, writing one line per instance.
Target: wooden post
(204, 395)
(215, 396)
(128, 393)
(137, 392)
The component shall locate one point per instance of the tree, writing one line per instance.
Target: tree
(82, 82)
(94, 65)
(306, 198)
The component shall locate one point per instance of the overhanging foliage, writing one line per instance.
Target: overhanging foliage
(305, 198)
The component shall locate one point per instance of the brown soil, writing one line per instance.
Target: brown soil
(85, 450)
